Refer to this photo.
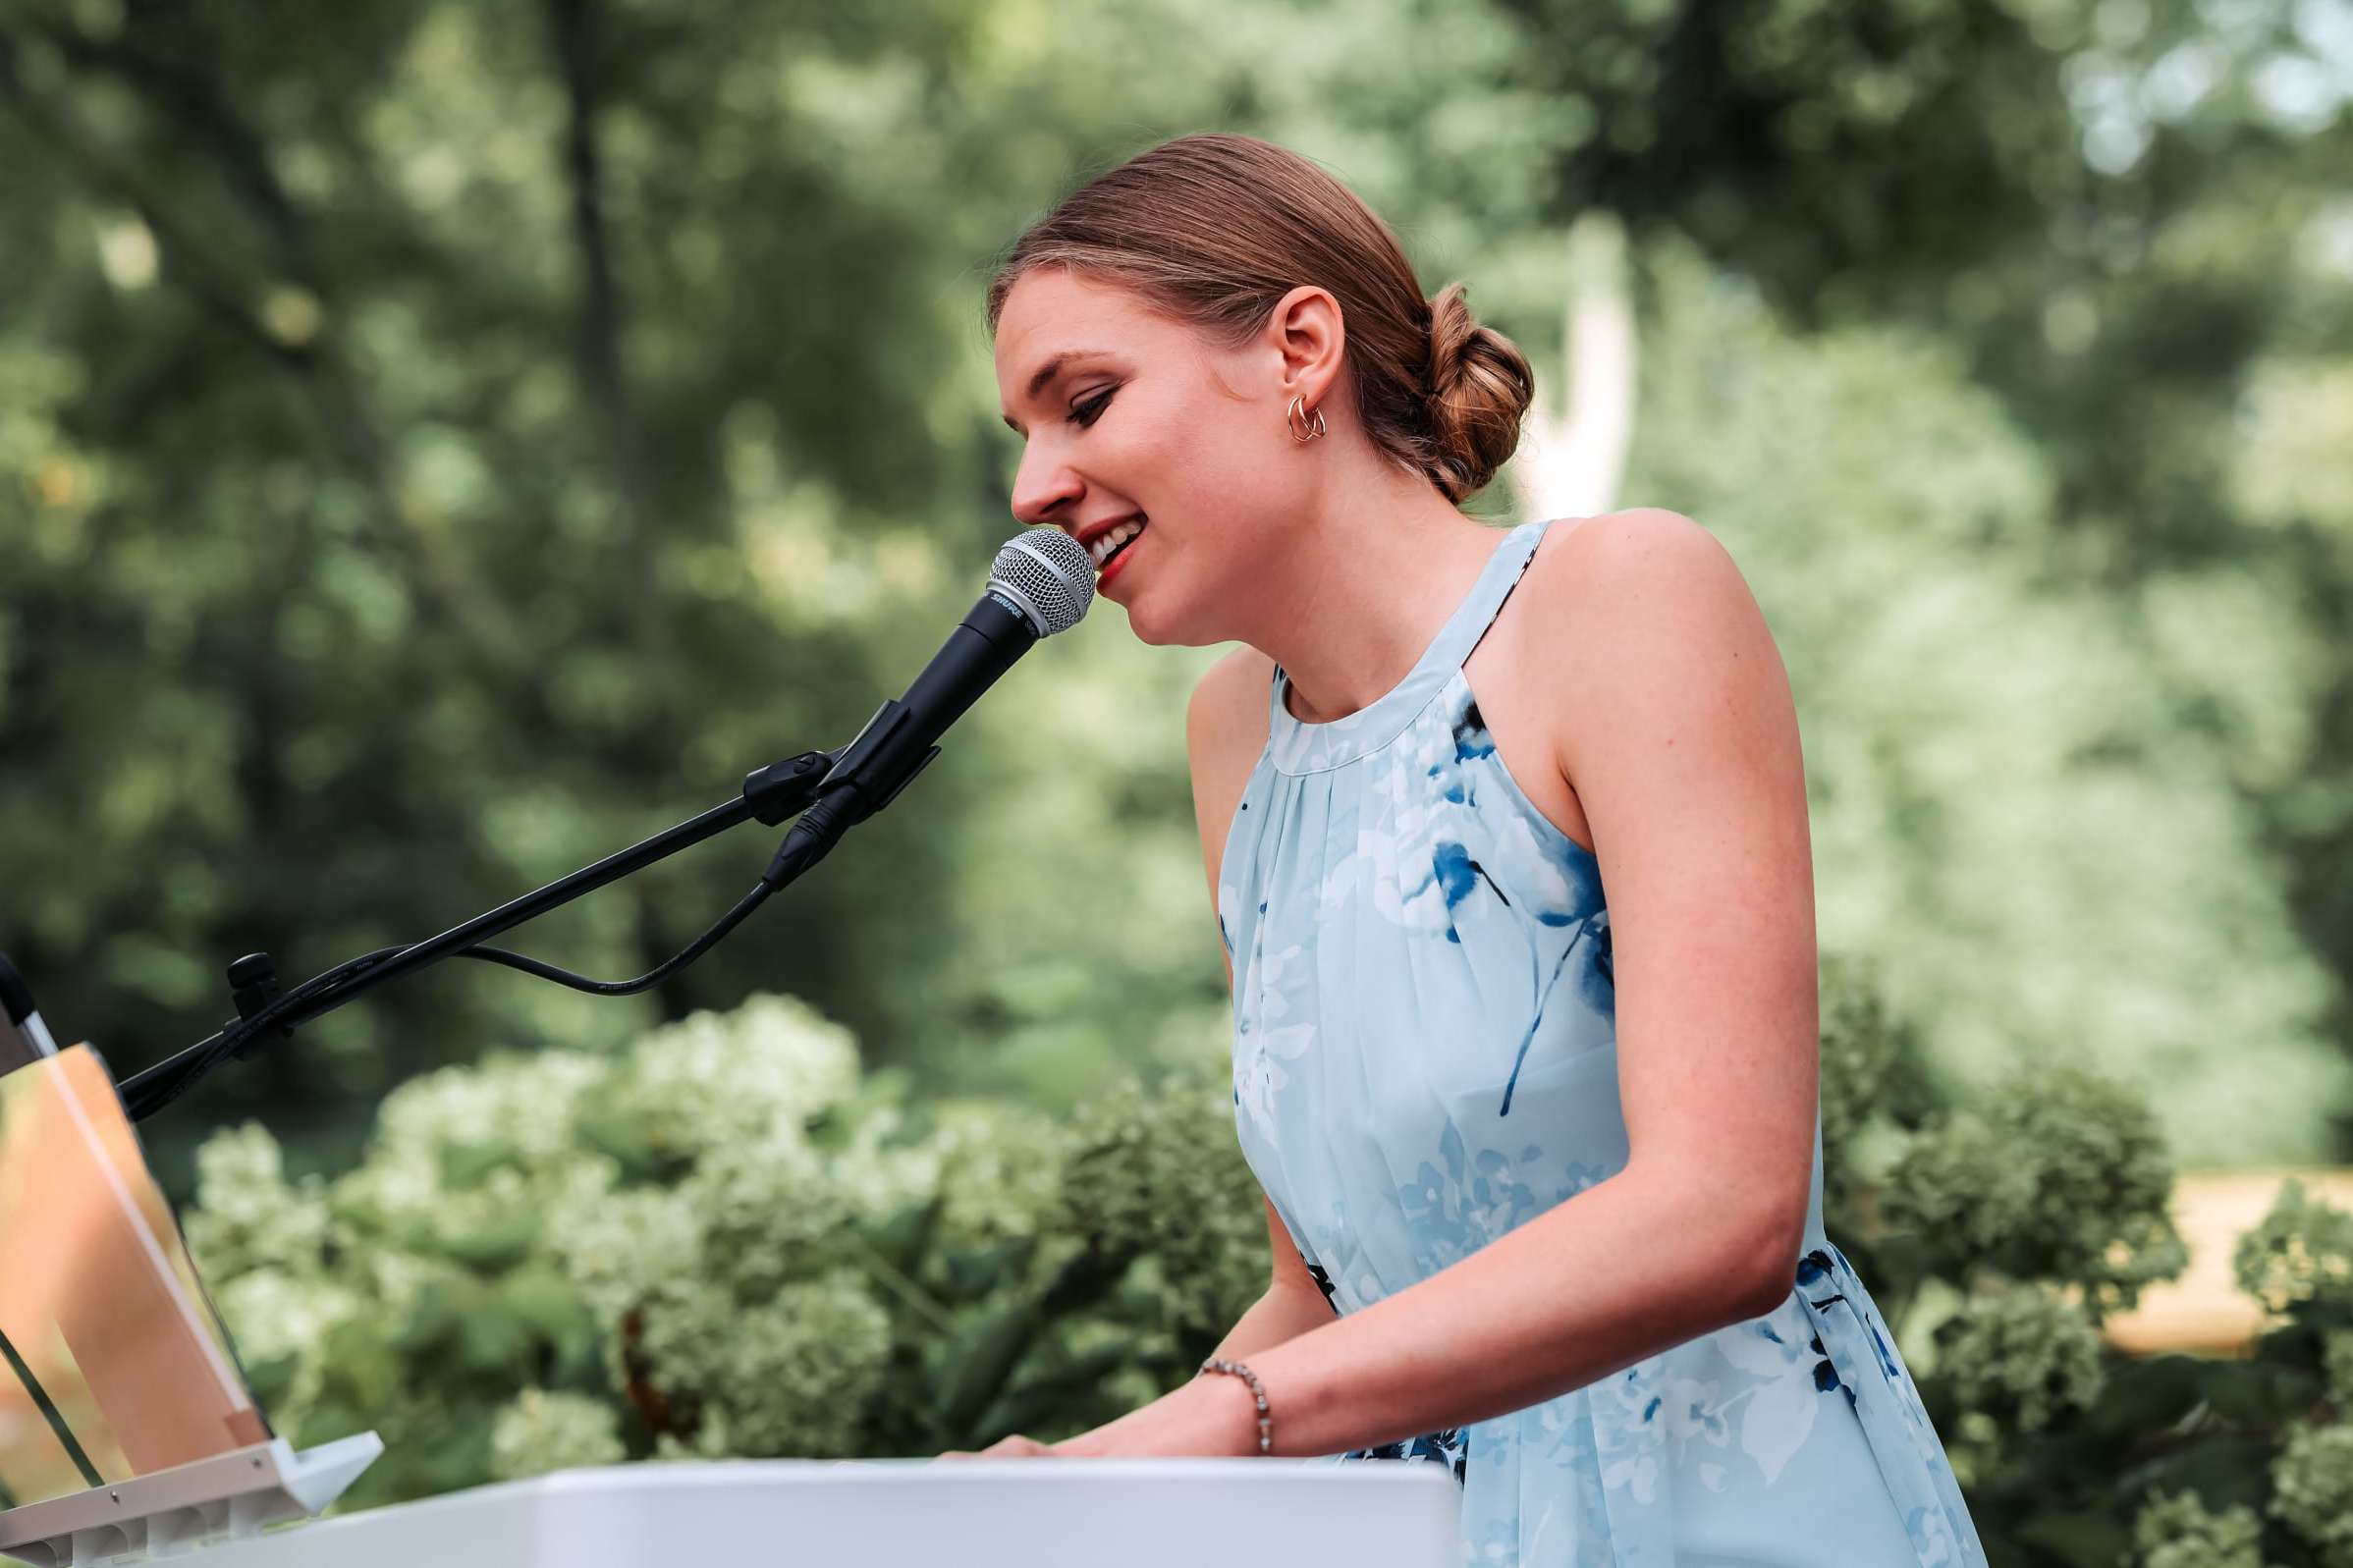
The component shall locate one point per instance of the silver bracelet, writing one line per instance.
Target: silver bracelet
(1266, 1426)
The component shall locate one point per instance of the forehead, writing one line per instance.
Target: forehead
(1052, 313)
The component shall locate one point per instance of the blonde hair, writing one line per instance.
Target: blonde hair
(1215, 228)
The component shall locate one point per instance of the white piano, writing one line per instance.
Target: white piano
(971, 1513)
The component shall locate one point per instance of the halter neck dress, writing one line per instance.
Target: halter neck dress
(1425, 1057)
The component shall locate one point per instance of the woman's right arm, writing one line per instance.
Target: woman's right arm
(1224, 729)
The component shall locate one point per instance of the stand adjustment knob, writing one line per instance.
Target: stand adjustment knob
(254, 986)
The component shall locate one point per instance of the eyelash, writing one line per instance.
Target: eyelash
(1092, 410)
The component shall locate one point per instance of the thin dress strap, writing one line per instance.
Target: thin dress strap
(1297, 746)
(1485, 601)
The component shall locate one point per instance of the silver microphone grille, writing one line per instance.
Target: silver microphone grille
(1048, 574)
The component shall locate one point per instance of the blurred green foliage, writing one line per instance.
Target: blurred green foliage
(728, 1239)
(441, 445)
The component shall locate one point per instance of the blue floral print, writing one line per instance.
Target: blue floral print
(1425, 1058)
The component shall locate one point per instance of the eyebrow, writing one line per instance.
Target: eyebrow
(1048, 371)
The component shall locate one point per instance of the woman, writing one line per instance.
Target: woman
(1543, 1173)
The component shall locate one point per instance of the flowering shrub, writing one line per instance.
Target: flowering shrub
(1999, 1230)
(724, 1242)
(2313, 1488)
(2178, 1531)
(2021, 1357)
(727, 1240)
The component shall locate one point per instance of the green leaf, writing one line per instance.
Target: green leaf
(499, 1243)
(631, 1137)
(1086, 1276)
(981, 1359)
(555, 1312)
(272, 1381)
(432, 1325)
(2258, 1392)
(2145, 1396)
(2082, 1538)
(493, 1339)
(2223, 1469)
(976, 1275)
(901, 1239)
(1042, 1398)
(465, 1165)
(362, 1370)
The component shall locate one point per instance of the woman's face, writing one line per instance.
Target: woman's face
(1143, 415)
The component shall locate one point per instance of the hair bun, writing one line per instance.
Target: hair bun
(1480, 388)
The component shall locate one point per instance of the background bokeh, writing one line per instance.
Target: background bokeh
(441, 445)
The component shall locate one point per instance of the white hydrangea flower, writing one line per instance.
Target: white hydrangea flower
(542, 1431)
(769, 1067)
(272, 1313)
(249, 1217)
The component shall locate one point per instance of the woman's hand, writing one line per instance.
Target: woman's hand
(1211, 1417)
(1014, 1448)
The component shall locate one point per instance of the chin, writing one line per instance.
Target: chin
(1162, 638)
(1148, 631)
(1153, 626)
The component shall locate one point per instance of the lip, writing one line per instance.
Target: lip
(1096, 530)
(1118, 567)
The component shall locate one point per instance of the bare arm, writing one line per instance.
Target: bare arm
(1291, 1306)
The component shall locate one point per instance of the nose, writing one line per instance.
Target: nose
(1046, 490)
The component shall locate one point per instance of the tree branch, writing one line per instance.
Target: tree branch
(573, 26)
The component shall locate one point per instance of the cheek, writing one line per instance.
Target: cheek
(1225, 484)
(1196, 445)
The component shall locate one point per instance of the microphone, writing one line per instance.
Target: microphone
(1041, 583)
(27, 1039)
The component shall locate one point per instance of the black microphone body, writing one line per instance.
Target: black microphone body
(903, 736)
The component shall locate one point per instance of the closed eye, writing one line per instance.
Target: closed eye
(1086, 414)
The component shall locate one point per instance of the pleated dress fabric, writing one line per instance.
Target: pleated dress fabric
(1425, 1057)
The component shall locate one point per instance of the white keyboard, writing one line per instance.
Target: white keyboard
(970, 1513)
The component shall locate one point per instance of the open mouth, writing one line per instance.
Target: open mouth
(1114, 542)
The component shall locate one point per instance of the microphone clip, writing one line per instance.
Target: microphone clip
(784, 788)
(858, 781)
(880, 761)
(252, 986)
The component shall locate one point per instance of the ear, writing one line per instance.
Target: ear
(1309, 338)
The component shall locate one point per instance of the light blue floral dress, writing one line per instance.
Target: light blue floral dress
(1425, 1057)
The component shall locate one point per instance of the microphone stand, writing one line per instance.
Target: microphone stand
(1040, 584)
(770, 796)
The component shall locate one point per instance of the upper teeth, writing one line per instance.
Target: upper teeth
(1106, 543)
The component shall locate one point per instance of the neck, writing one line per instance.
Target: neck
(1361, 587)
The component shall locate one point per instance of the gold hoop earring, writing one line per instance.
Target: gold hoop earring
(1300, 430)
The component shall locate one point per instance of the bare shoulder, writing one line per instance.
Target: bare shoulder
(1640, 603)
(1224, 731)
(1591, 561)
